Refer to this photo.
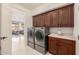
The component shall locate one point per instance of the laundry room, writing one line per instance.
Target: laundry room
(51, 24)
(39, 29)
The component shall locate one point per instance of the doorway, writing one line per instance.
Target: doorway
(18, 39)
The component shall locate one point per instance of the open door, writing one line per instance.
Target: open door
(5, 29)
(0, 47)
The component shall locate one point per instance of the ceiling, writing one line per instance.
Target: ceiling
(31, 6)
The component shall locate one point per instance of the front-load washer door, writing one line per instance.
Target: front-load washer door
(30, 35)
(39, 38)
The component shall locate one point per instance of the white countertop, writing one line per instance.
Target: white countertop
(70, 37)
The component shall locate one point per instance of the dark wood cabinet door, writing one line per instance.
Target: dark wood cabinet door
(66, 16)
(34, 21)
(38, 21)
(63, 17)
(52, 45)
(71, 15)
(47, 19)
(62, 50)
(60, 46)
(42, 20)
(54, 18)
(66, 49)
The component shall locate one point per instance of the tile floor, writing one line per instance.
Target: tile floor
(19, 47)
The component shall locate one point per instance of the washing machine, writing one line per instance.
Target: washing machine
(30, 37)
(41, 38)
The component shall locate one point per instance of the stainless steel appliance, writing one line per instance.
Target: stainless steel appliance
(41, 39)
(30, 37)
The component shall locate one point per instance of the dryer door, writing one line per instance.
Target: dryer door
(39, 35)
(39, 38)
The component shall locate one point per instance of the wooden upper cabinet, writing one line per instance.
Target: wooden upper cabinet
(38, 21)
(47, 19)
(72, 15)
(34, 21)
(41, 20)
(61, 17)
(54, 18)
(66, 16)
